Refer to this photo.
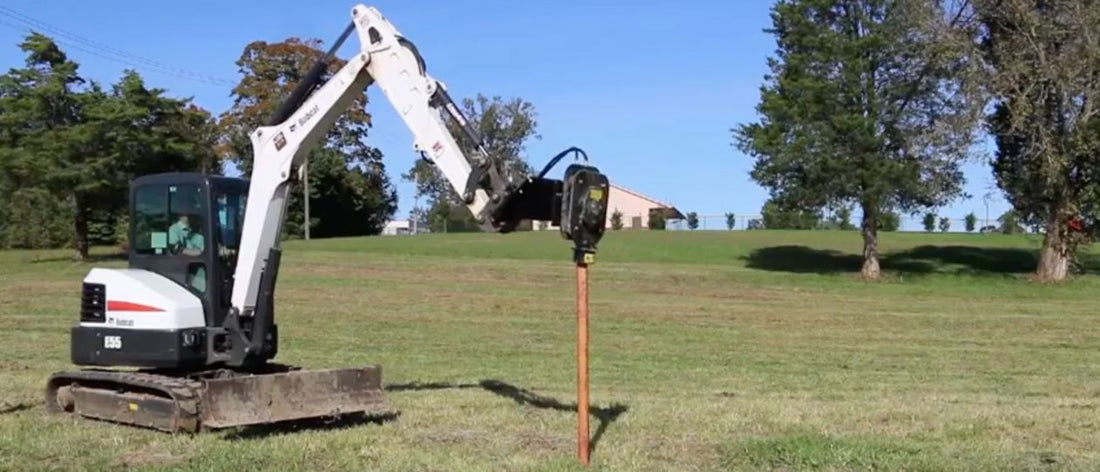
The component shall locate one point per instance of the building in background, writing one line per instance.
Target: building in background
(401, 228)
(635, 208)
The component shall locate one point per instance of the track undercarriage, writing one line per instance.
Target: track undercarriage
(194, 401)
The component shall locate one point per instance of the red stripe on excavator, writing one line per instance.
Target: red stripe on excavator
(115, 305)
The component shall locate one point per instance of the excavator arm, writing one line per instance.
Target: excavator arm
(392, 63)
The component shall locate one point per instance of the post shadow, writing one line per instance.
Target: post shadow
(521, 396)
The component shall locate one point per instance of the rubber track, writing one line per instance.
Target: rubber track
(183, 392)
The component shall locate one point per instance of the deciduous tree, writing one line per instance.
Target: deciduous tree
(693, 220)
(350, 192)
(505, 127)
(777, 217)
(929, 222)
(1010, 223)
(866, 102)
(656, 220)
(1046, 85)
(843, 217)
(889, 221)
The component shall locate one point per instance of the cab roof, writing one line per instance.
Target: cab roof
(193, 178)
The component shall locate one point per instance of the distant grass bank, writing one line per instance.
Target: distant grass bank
(787, 251)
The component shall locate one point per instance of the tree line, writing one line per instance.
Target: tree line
(70, 145)
(877, 104)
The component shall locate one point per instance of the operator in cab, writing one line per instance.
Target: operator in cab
(183, 237)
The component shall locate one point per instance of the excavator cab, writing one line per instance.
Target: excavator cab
(187, 228)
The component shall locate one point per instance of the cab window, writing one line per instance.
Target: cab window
(168, 220)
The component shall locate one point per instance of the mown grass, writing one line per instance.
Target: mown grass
(710, 351)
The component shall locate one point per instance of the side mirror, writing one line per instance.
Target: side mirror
(584, 210)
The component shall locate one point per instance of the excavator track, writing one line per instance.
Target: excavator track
(159, 402)
(196, 401)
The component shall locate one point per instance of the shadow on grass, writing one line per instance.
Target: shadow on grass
(16, 408)
(1091, 263)
(917, 260)
(604, 416)
(91, 259)
(313, 424)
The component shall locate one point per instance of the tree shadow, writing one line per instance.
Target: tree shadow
(803, 260)
(918, 260)
(312, 424)
(604, 416)
(971, 259)
(1090, 263)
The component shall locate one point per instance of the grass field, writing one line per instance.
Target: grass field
(710, 351)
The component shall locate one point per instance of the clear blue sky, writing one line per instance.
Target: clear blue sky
(648, 89)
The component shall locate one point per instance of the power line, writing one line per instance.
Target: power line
(35, 23)
(93, 52)
(104, 51)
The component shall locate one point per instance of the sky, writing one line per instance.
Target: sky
(648, 90)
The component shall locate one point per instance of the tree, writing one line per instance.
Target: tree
(418, 217)
(889, 221)
(1010, 223)
(731, 221)
(843, 218)
(945, 224)
(505, 126)
(868, 103)
(971, 222)
(35, 219)
(656, 220)
(929, 222)
(1046, 120)
(693, 220)
(77, 144)
(42, 121)
(447, 217)
(777, 217)
(350, 193)
(616, 219)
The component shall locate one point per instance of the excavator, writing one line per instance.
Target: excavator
(184, 338)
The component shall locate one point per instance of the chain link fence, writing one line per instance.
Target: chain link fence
(741, 222)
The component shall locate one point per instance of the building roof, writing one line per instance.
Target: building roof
(670, 211)
(656, 202)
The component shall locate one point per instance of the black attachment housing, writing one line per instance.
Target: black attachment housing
(583, 210)
(535, 199)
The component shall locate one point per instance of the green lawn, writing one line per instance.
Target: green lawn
(710, 351)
